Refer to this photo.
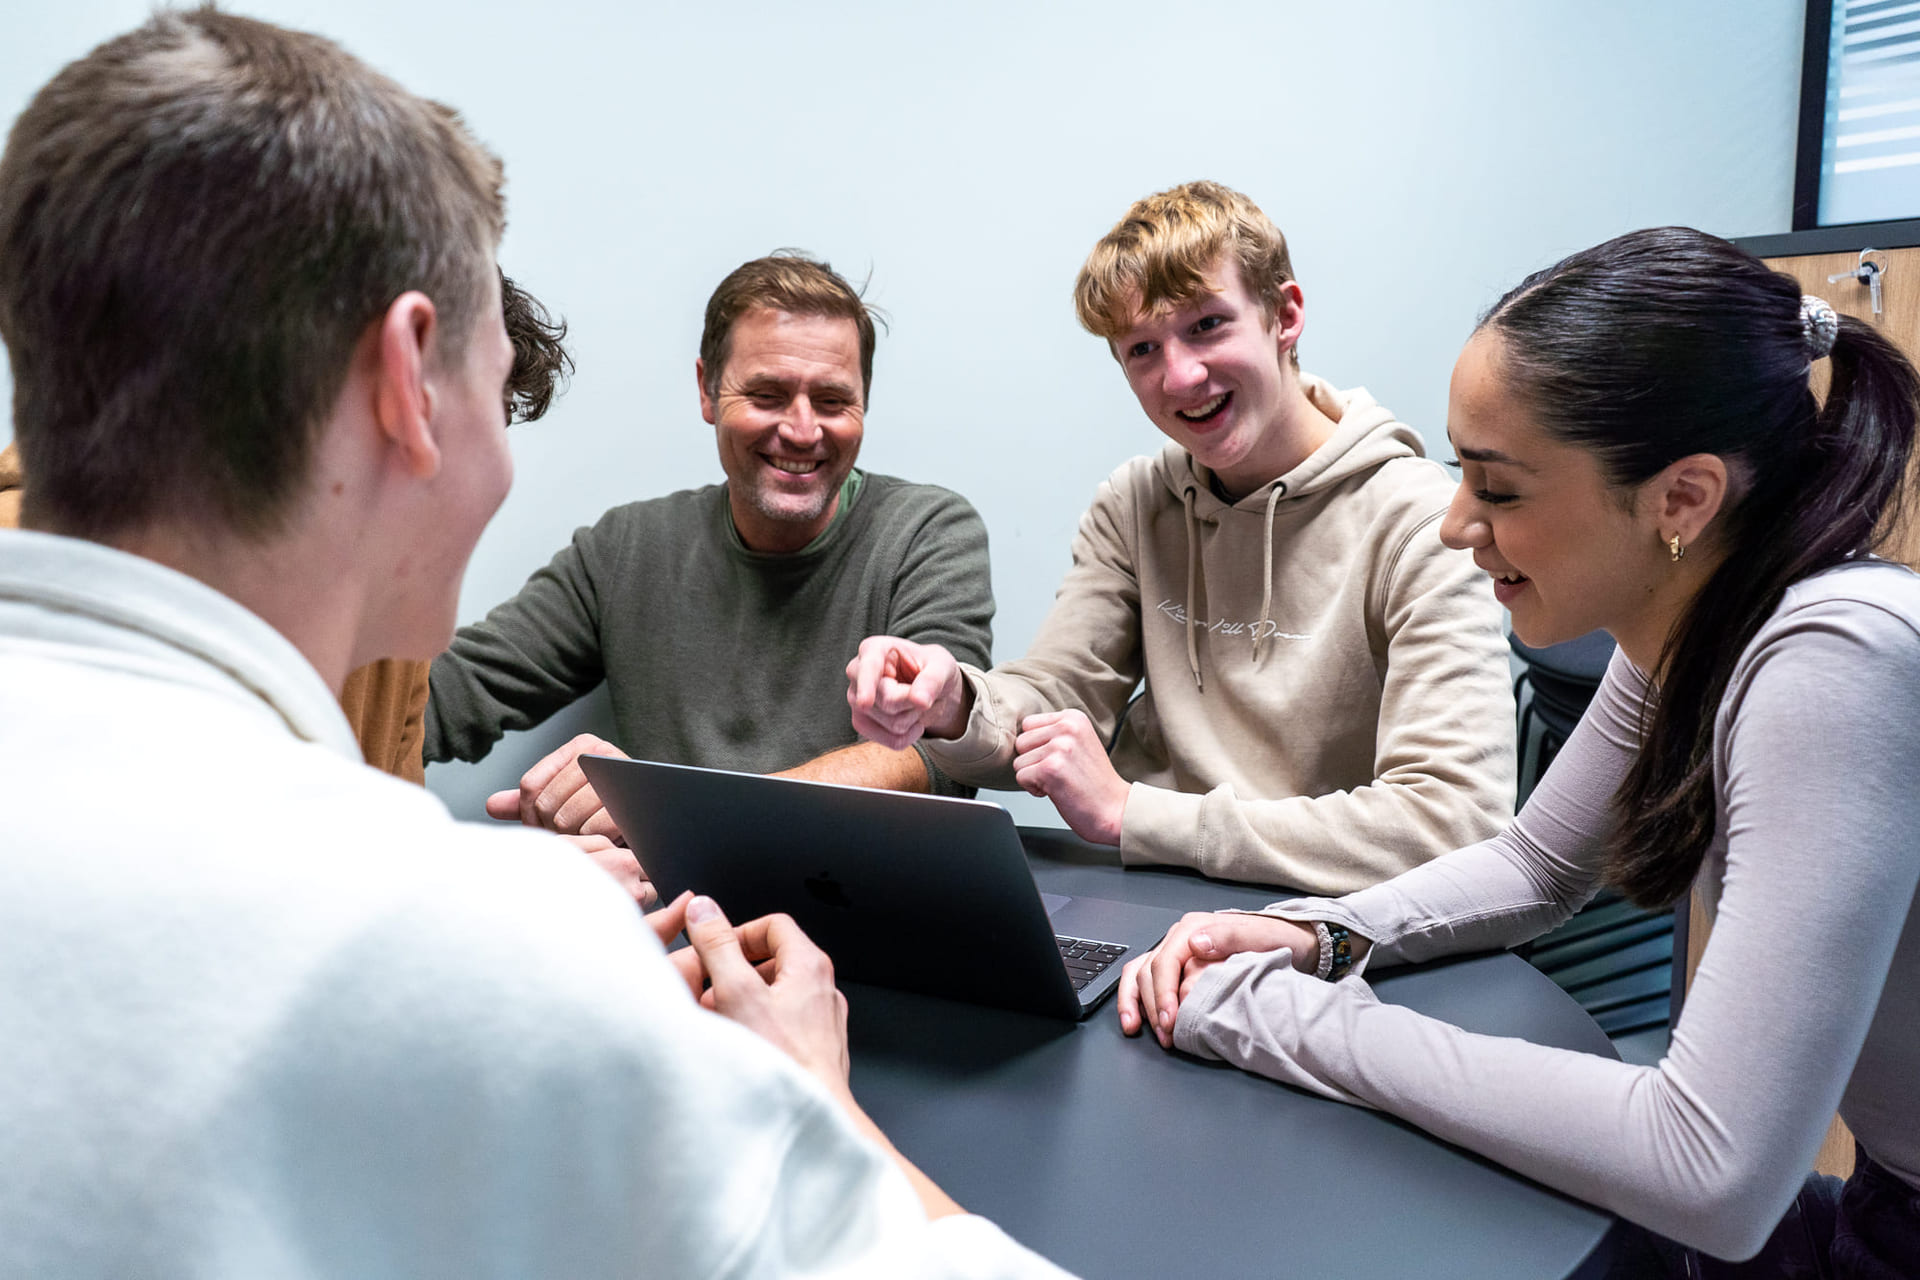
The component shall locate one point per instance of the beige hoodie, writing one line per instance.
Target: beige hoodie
(1326, 699)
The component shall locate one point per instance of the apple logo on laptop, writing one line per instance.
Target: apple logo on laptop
(827, 891)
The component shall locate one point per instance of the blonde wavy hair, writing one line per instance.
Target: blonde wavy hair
(1159, 255)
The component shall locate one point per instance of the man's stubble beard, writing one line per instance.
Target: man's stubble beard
(771, 506)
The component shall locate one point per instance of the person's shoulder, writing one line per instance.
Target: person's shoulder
(1165, 470)
(903, 513)
(484, 907)
(666, 509)
(481, 973)
(306, 834)
(1390, 510)
(645, 533)
(893, 494)
(1844, 642)
(1866, 594)
(1407, 487)
(1149, 479)
(1391, 515)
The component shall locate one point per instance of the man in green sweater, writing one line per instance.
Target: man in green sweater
(720, 617)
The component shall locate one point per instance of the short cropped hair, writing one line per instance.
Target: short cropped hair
(786, 280)
(1159, 254)
(198, 221)
(541, 364)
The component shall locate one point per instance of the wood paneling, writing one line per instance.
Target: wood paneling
(1899, 320)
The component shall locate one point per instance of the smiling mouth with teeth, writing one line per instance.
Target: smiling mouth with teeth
(793, 466)
(1206, 412)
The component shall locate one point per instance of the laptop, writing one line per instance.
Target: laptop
(922, 893)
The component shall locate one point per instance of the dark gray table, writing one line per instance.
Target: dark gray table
(1115, 1158)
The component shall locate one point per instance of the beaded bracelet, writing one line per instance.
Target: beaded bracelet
(1336, 951)
(1342, 952)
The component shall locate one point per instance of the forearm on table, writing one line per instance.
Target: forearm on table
(865, 764)
(1329, 844)
(1305, 943)
(1486, 897)
(1492, 893)
(1527, 879)
(1620, 1136)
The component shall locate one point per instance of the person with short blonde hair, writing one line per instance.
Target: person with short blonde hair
(1165, 251)
(1322, 686)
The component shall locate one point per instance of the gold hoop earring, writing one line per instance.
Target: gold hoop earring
(1674, 549)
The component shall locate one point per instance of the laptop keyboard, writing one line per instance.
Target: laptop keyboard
(1087, 959)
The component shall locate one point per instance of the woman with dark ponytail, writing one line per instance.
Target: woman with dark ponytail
(1642, 452)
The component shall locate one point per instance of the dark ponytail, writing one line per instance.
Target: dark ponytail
(1670, 342)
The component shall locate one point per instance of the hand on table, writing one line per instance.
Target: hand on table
(1153, 986)
(618, 861)
(900, 691)
(554, 793)
(1059, 756)
(768, 976)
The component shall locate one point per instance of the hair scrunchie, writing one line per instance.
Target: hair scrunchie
(1819, 326)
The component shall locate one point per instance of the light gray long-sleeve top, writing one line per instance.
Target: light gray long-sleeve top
(1807, 998)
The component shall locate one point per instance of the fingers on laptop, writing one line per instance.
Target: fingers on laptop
(769, 976)
(686, 963)
(669, 920)
(583, 812)
(554, 793)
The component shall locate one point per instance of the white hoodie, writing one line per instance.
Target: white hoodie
(268, 1012)
(1326, 699)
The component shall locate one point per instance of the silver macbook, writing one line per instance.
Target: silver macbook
(922, 893)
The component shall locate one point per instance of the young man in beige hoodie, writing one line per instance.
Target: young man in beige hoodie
(1326, 700)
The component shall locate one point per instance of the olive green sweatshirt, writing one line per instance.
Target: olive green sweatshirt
(715, 654)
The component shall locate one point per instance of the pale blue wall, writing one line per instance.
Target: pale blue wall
(1420, 156)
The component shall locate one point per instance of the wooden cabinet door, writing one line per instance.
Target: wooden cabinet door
(1899, 319)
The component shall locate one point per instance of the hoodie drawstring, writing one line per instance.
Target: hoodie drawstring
(1193, 578)
(1266, 575)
